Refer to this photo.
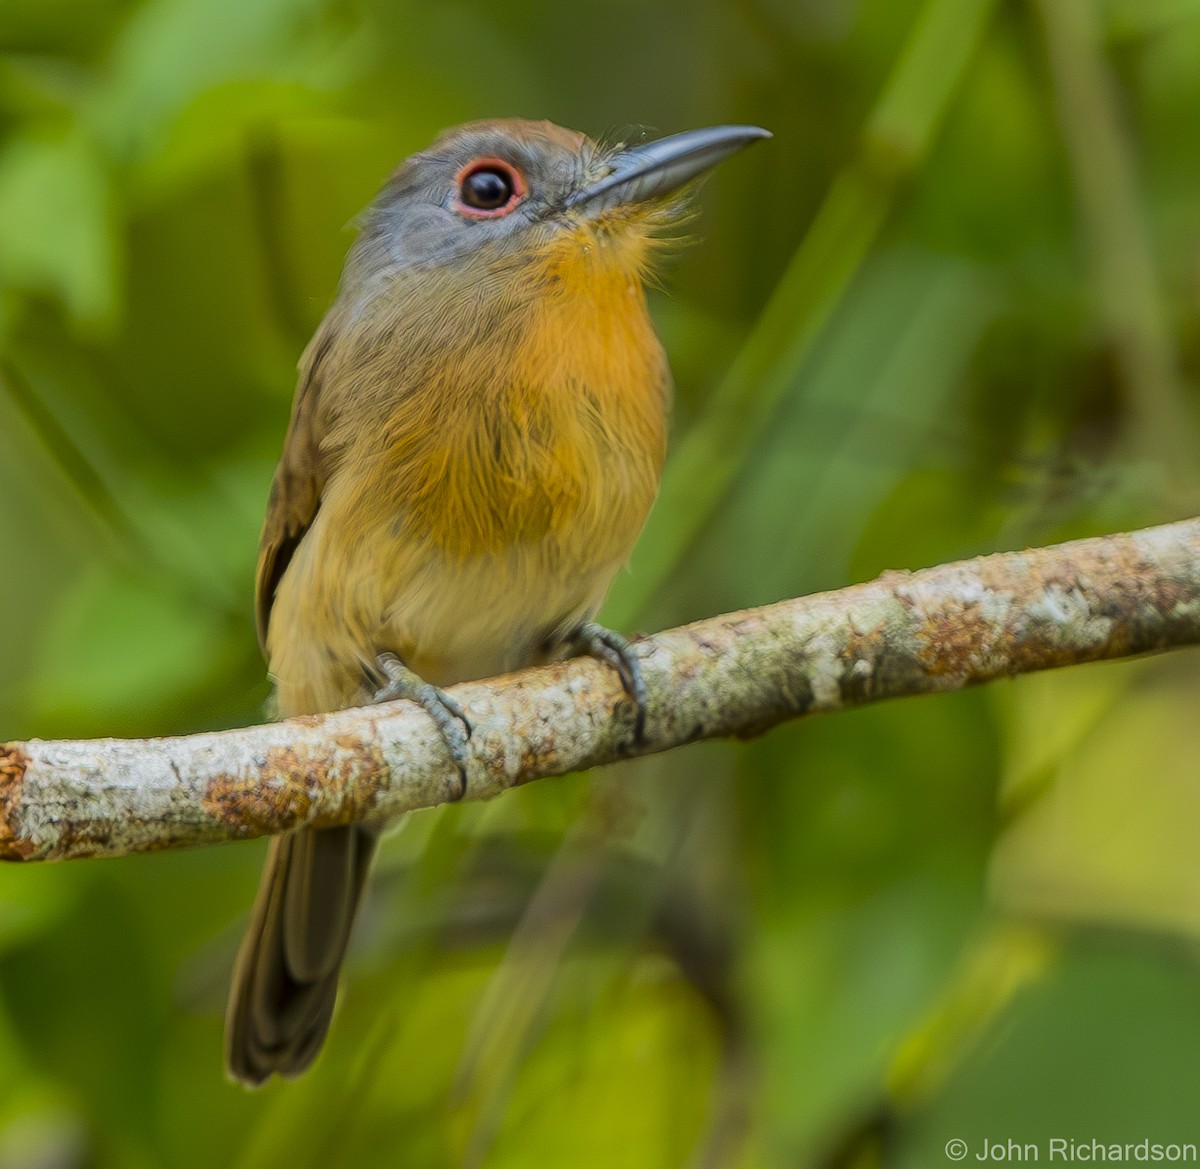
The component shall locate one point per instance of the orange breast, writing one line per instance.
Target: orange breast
(552, 429)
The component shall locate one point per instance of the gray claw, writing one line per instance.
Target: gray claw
(447, 714)
(609, 646)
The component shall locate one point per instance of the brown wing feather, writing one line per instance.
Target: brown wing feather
(296, 488)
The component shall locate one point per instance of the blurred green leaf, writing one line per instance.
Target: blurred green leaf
(174, 51)
(1106, 1049)
(111, 1066)
(120, 648)
(1140, 18)
(56, 224)
(32, 902)
(1113, 838)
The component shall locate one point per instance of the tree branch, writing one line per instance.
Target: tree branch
(739, 674)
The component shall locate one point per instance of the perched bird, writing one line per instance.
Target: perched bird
(475, 442)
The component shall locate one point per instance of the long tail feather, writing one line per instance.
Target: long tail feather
(285, 979)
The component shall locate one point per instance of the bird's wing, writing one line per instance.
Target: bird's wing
(299, 480)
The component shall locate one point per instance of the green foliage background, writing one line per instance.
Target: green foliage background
(953, 307)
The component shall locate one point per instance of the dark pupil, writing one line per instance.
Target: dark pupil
(486, 189)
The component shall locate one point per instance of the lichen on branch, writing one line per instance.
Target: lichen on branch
(906, 633)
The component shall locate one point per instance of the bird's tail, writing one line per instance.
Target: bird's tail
(285, 979)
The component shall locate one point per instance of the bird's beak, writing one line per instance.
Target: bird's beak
(642, 173)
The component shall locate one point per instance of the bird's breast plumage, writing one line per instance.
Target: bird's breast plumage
(497, 495)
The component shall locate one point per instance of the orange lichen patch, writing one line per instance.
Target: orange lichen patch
(954, 638)
(537, 752)
(862, 653)
(255, 805)
(1018, 613)
(1170, 595)
(858, 644)
(534, 760)
(353, 780)
(296, 785)
(13, 765)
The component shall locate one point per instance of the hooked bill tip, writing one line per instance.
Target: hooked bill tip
(653, 169)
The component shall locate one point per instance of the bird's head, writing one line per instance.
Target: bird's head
(517, 195)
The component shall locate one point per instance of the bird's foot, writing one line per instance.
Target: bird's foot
(447, 714)
(609, 646)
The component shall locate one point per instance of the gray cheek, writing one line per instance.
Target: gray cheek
(429, 234)
(420, 234)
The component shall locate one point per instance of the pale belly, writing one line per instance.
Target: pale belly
(341, 603)
(454, 622)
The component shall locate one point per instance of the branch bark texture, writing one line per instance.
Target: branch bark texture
(942, 628)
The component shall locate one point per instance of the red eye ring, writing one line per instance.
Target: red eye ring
(497, 190)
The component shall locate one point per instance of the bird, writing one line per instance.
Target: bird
(476, 439)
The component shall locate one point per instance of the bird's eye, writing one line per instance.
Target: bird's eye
(487, 188)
